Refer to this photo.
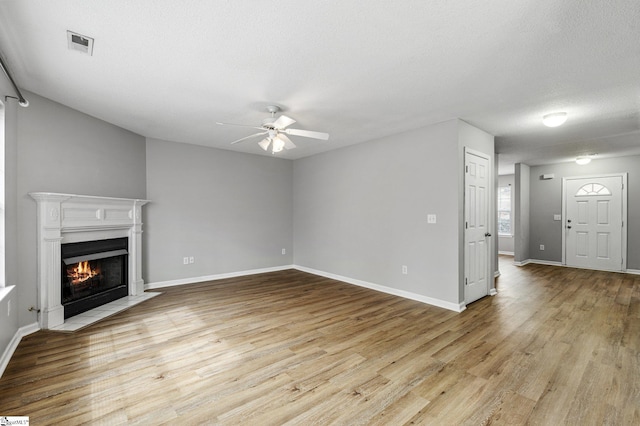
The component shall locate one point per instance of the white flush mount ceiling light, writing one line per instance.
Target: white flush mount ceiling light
(555, 119)
(582, 160)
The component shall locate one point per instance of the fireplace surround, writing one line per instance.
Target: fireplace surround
(70, 219)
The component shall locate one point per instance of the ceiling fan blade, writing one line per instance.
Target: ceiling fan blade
(239, 125)
(248, 137)
(283, 121)
(287, 142)
(307, 134)
(264, 143)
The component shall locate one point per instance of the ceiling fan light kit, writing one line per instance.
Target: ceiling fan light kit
(278, 145)
(275, 132)
(264, 144)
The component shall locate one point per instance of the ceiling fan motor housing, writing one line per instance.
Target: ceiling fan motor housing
(267, 123)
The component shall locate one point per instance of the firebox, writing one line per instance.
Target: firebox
(93, 273)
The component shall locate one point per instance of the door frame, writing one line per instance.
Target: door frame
(490, 222)
(624, 213)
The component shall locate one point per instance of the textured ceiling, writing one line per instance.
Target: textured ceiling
(358, 70)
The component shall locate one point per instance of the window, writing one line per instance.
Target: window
(593, 189)
(2, 268)
(504, 210)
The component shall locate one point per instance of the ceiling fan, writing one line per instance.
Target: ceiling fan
(275, 132)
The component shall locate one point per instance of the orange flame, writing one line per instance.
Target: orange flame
(81, 273)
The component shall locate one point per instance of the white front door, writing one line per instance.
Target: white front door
(476, 233)
(594, 219)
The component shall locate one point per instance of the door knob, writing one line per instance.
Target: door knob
(487, 234)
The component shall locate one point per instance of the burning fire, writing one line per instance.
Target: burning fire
(81, 273)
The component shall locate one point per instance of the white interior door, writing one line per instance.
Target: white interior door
(594, 221)
(476, 233)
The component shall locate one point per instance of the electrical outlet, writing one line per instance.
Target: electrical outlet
(431, 218)
(284, 251)
(541, 246)
(191, 259)
(404, 270)
(185, 260)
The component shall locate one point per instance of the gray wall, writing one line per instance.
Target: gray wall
(361, 212)
(230, 211)
(522, 213)
(62, 150)
(506, 243)
(546, 200)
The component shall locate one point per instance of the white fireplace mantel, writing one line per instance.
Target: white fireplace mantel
(70, 218)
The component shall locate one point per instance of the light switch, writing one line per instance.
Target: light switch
(431, 218)
(557, 217)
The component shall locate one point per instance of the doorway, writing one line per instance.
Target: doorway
(594, 212)
(477, 234)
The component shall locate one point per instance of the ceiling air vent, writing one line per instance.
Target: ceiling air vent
(80, 43)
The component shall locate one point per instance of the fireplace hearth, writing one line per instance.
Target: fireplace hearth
(93, 273)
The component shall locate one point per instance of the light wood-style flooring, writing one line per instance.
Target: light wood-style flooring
(554, 346)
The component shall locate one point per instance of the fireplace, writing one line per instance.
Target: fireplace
(93, 273)
(66, 222)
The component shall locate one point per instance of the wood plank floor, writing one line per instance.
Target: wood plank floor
(554, 346)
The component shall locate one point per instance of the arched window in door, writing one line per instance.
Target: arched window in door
(591, 189)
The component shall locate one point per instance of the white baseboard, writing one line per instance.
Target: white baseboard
(545, 262)
(193, 280)
(389, 290)
(538, 262)
(554, 263)
(13, 344)
(506, 253)
(384, 289)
